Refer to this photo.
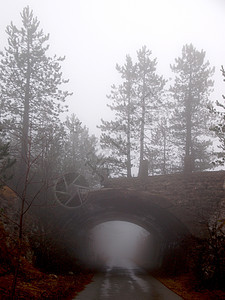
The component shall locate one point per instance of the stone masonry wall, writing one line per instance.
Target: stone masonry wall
(195, 199)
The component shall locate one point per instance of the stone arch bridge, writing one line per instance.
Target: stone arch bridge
(170, 207)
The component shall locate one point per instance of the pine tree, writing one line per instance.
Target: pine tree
(79, 150)
(161, 152)
(49, 146)
(136, 103)
(190, 118)
(29, 85)
(149, 90)
(219, 128)
(117, 134)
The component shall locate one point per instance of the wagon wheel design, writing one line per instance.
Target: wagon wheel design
(71, 190)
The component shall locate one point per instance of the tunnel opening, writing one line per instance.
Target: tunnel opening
(164, 230)
(120, 244)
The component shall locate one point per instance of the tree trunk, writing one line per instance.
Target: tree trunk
(129, 138)
(142, 129)
(188, 162)
(24, 149)
(24, 163)
(164, 151)
(142, 132)
(188, 129)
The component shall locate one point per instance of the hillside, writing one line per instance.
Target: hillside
(32, 283)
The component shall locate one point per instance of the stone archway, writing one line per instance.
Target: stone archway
(142, 208)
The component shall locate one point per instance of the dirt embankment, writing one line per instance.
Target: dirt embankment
(183, 286)
(37, 285)
(32, 283)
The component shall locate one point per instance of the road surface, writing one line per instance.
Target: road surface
(125, 284)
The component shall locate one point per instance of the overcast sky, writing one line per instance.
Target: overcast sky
(94, 35)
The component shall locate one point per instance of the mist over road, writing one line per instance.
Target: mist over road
(125, 283)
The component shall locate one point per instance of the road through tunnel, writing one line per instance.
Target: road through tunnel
(149, 212)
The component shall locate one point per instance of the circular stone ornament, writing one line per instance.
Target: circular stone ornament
(71, 190)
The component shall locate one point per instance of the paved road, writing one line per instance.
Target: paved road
(126, 284)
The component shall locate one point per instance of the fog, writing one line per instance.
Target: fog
(109, 113)
(95, 35)
(119, 244)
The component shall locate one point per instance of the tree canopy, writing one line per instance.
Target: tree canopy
(191, 118)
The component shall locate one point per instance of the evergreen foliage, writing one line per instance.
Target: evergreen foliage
(149, 91)
(29, 85)
(79, 151)
(116, 135)
(219, 128)
(191, 118)
(134, 103)
(169, 129)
